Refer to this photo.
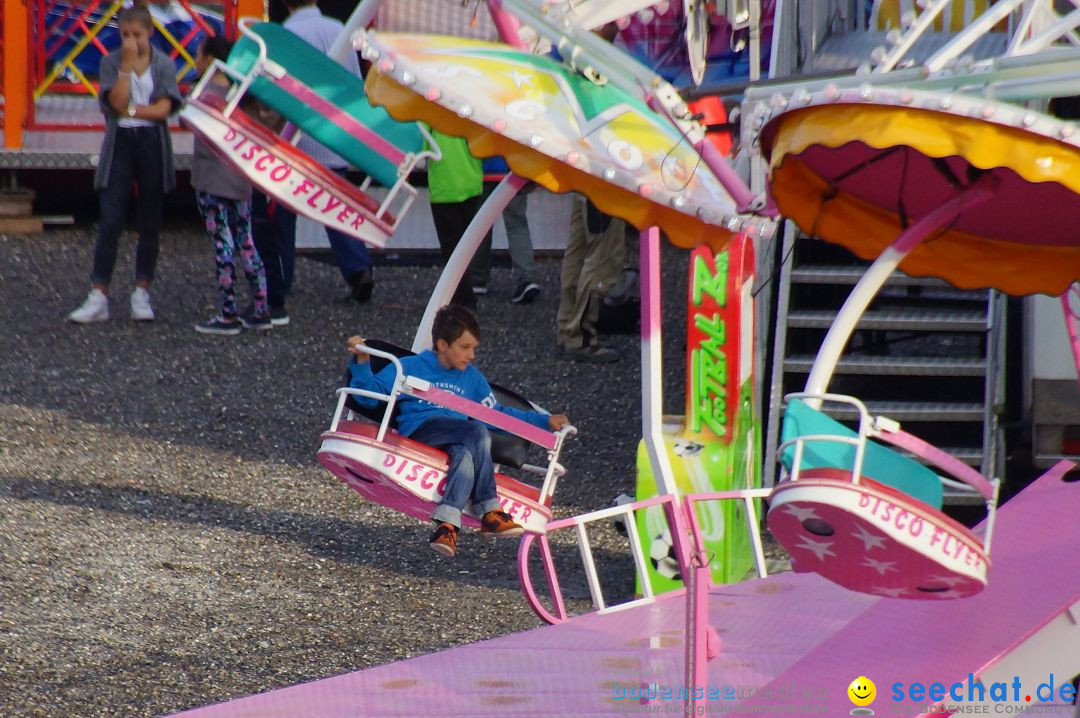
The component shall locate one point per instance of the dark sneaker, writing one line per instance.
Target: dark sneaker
(499, 523)
(444, 540)
(479, 289)
(251, 321)
(363, 284)
(525, 293)
(594, 354)
(218, 325)
(279, 317)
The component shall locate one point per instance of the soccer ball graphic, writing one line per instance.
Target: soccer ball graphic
(662, 555)
(686, 447)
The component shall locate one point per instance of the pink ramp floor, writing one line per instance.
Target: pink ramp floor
(576, 668)
(1033, 578)
(795, 637)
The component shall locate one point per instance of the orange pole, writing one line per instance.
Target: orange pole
(250, 8)
(16, 61)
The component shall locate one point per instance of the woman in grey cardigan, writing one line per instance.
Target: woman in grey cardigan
(138, 93)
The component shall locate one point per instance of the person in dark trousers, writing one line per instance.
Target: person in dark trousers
(353, 259)
(138, 94)
(456, 192)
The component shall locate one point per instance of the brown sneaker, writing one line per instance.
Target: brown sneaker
(499, 523)
(444, 540)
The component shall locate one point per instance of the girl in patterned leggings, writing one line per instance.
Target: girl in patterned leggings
(224, 199)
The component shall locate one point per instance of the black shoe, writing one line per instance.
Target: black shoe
(525, 293)
(251, 321)
(218, 325)
(362, 284)
(279, 317)
(594, 354)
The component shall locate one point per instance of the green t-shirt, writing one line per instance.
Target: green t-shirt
(458, 175)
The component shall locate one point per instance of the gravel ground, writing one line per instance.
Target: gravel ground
(167, 539)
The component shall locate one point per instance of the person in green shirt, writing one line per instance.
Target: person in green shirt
(456, 191)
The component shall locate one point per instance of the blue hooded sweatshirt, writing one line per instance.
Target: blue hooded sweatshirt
(469, 384)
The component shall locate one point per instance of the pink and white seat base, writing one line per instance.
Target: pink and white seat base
(871, 539)
(411, 478)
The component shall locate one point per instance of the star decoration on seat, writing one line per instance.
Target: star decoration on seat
(951, 593)
(520, 78)
(882, 567)
(337, 461)
(801, 514)
(870, 540)
(821, 549)
(950, 580)
(893, 592)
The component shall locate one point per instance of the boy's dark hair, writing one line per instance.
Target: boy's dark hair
(217, 47)
(293, 4)
(451, 322)
(139, 14)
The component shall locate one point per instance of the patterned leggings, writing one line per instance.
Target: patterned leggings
(228, 222)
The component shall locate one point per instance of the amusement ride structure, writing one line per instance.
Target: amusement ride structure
(936, 158)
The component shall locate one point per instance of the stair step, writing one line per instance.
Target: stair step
(935, 411)
(823, 274)
(896, 320)
(952, 497)
(933, 294)
(893, 366)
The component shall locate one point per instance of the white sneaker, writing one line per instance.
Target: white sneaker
(141, 311)
(94, 309)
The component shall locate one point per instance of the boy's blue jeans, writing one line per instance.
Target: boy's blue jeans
(471, 473)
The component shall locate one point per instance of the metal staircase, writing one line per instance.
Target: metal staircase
(925, 353)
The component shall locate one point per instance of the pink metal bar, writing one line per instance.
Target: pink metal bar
(525, 578)
(506, 24)
(494, 417)
(346, 122)
(979, 191)
(715, 161)
(1072, 323)
(652, 396)
(697, 625)
(940, 459)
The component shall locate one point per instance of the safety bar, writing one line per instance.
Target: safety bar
(390, 399)
(747, 496)
(678, 512)
(626, 511)
(865, 427)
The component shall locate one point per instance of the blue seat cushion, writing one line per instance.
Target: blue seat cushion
(879, 463)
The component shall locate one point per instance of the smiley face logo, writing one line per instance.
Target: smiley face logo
(862, 691)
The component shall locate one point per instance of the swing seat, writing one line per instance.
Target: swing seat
(869, 518)
(325, 101)
(409, 476)
(285, 173)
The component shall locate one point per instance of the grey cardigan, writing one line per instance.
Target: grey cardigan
(164, 76)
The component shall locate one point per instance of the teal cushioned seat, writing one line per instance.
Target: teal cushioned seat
(333, 83)
(879, 463)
